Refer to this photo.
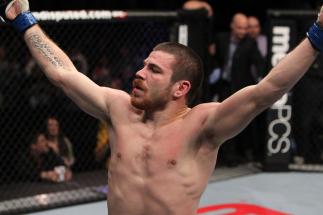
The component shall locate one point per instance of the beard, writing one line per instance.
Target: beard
(155, 99)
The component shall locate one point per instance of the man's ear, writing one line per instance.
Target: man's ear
(182, 88)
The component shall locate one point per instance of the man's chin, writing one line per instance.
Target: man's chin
(137, 104)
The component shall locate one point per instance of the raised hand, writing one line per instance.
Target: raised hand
(18, 14)
(13, 8)
(315, 32)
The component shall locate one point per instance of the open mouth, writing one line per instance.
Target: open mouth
(136, 85)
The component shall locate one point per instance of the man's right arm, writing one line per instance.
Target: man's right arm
(56, 65)
(59, 69)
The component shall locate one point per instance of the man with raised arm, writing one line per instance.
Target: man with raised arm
(164, 152)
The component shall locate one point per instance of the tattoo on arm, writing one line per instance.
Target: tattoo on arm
(45, 49)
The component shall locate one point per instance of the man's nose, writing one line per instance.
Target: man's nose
(141, 74)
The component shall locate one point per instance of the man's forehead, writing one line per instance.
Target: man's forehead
(160, 58)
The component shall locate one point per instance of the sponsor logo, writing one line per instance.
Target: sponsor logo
(58, 16)
(279, 128)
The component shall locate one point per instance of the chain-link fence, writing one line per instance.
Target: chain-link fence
(109, 47)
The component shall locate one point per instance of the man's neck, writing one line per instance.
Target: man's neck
(169, 114)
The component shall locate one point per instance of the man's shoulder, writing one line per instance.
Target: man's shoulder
(119, 102)
(205, 106)
(204, 109)
(115, 92)
(117, 97)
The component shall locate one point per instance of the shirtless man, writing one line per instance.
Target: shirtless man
(164, 152)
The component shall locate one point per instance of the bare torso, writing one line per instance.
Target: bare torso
(158, 170)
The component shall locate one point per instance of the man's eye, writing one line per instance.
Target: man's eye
(154, 70)
(151, 68)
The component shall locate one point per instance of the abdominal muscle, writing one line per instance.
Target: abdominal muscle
(158, 187)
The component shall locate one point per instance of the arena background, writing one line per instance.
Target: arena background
(223, 9)
(116, 45)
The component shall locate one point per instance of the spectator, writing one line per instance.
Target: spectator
(38, 93)
(235, 54)
(101, 73)
(80, 62)
(254, 31)
(58, 142)
(49, 165)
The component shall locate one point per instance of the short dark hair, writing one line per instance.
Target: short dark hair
(188, 66)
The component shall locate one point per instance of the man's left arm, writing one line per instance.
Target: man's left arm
(232, 115)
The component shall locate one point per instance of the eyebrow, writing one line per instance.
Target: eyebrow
(155, 66)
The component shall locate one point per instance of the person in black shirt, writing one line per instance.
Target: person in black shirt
(49, 165)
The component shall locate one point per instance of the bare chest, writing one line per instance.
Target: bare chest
(146, 151)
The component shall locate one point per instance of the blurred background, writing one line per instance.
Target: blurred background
(223, 10)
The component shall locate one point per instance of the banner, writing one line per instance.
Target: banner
(282, 39)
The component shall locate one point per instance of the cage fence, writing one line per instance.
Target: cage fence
(108, 47)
